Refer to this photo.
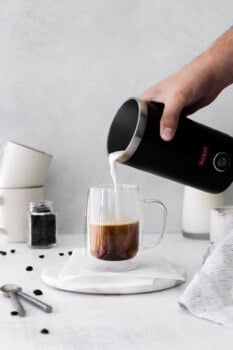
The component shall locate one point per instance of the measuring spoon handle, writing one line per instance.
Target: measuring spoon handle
(45, 307)
(19, 307)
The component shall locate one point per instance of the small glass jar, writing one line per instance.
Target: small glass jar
(42, 226)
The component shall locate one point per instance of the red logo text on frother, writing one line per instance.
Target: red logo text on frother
(204, 154)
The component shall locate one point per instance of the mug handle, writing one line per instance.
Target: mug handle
(156, 201)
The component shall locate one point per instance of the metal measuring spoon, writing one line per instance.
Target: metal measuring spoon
(34, 301)
(10, 290)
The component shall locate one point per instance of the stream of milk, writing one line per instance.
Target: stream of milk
(112, 158)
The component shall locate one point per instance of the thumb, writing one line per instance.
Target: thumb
(170, 119)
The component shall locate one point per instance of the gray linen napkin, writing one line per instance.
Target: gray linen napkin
(210, 293)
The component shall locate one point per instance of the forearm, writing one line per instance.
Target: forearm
(219, 59)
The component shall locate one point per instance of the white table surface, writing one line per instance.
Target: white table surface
(81, 321)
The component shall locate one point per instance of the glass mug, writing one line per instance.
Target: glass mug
(114, 227)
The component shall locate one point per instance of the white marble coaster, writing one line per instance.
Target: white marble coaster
(154, 273)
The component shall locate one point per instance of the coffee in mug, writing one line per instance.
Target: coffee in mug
(114, 227)
(114, 241)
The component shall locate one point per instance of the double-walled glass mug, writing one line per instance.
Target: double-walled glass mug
(114, 227)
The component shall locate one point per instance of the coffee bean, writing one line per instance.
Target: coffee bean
(70, 253)
(12, 251)
(14, 313)
(37, 292)
(44, 331)
(41, 256)
(61, 254)
(29, 268)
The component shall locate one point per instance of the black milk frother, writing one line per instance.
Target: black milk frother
(198, 156)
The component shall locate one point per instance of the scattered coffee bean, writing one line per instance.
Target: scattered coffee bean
(70, 253)
(12, 251)
(29, 268)
(2, 252)
(61, 254)
(37, 292)
(14, 313)
(41, 256)
(44, 331)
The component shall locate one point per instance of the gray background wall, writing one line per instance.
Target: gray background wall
(67, 65)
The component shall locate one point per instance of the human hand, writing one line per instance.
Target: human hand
(191, 88)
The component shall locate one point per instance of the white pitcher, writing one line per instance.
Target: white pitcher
(196, 212)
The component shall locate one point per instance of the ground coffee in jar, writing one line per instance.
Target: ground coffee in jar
(42, 225)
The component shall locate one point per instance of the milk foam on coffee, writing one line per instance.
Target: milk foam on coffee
(112, 159)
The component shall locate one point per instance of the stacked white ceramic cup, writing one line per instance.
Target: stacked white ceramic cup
(22, 174)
